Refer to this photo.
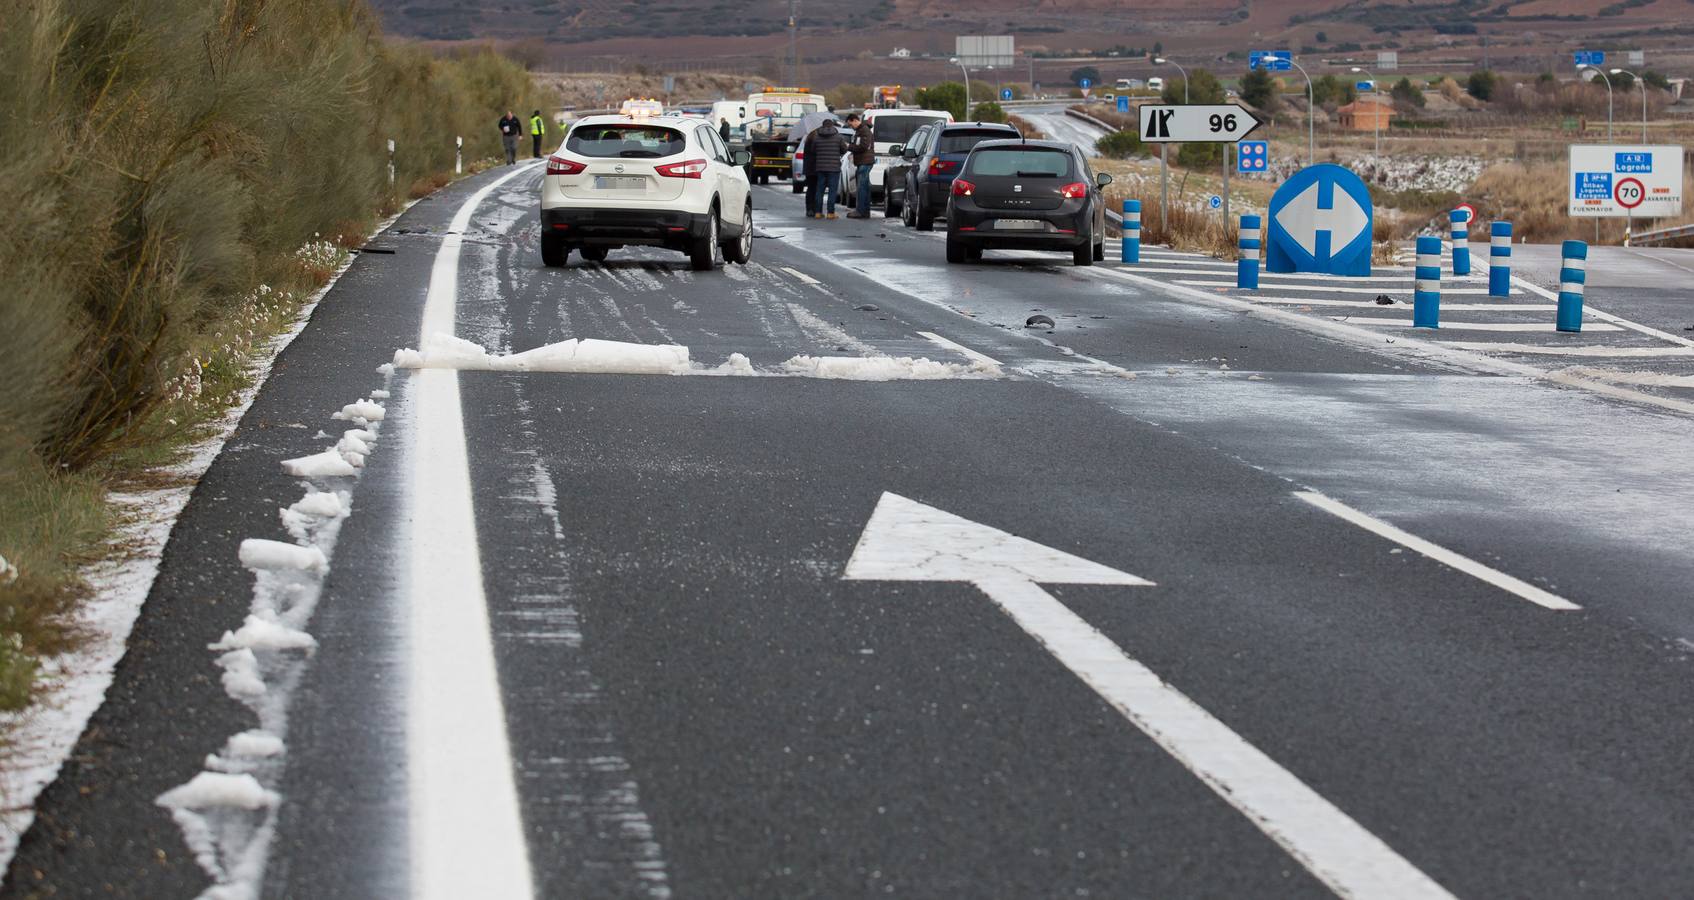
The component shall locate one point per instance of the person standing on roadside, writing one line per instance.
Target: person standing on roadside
(864, 159)
(537, 129)
(509, 126)
(824, 149)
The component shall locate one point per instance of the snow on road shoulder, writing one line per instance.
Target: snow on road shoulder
(228, 811)
(442, 351)
(75, 683)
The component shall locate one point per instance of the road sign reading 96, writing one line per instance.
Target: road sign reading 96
(1226, 123)
(1614, 181)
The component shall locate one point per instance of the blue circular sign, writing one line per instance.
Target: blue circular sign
(1086, 82)
(1215, 202)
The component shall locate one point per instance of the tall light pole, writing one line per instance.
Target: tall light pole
(1643, 85)
(1376, 114)
(961, 64)
(1311, 114)
(1164, 149)
(1164, 61)
(1608, 82)
(793, 43)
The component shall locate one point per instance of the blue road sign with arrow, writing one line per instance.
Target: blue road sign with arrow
(1123, 103)
(1005, 93)
(1271, 60)
(1320, 221)
(1589, 58)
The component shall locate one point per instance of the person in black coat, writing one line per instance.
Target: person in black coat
(510, 127)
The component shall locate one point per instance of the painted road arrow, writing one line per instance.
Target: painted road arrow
(909, 541)
(1225, 123)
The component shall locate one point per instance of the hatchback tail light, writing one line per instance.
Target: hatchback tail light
(938, 166)
(558, 165)
(1074, 191)
(693, 168)
(962, 188)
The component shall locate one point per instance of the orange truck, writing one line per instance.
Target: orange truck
(886, 96)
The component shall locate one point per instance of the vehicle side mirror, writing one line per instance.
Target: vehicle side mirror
(908, 153)
(1103, 179)
(897, 150)
(740, 158)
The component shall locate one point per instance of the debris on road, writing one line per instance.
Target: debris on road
(1038, 322)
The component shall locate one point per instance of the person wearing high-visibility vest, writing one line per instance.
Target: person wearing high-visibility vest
(537, 128)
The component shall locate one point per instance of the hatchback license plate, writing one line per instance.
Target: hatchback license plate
(1019, 225)
(619, 182)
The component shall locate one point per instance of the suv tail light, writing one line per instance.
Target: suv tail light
(1074, 191)
(799, 154)
(938, 165)
(962, 188)
(558, 165)
(693, 168)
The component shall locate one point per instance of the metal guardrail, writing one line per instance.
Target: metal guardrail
(1662, 236)
(1078, 114)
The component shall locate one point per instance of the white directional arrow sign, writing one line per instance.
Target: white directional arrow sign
(908, 541)
(1302, 219)
(1226, 123)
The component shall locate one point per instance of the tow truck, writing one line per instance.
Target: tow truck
(772, 112)
(886, 96)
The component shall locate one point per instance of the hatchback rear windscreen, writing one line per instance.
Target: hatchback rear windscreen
(625, 141)
(963, 141)
(898, 129)
(1022, 162)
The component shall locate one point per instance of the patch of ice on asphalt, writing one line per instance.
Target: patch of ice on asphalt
(590, 355)
(885, 368)
(328, 464)
(1616, 376)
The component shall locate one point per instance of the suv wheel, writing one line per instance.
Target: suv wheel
(740, 250)
(925, 218)
(707, 253)
(554, 253)
(1083, 255)
(889, 209)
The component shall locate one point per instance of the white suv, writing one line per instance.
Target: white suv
(660, 181)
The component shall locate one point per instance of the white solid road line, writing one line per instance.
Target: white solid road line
(1548, 350)
(467, 837)
(1438, 553)
(1320, 287)
(1401, 304)
(910, 541)
(967, 352)
(1549, 327)
(800, 276)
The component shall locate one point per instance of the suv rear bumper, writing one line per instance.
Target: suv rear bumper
(623, 227)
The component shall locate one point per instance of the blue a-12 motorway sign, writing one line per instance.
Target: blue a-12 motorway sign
(1635, 162)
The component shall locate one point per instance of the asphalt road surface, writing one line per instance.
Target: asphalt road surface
(1053, 122)
(1170, 598)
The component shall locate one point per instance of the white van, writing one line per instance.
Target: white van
(732, 111)
(889, 128)
(1155, 83)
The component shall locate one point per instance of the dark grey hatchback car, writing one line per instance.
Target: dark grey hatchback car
(1027, 195)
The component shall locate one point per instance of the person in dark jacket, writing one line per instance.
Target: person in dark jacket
(824, 148)
(509, 130)
(864, 159)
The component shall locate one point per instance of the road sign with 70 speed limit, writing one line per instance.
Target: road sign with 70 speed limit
(1224, 124)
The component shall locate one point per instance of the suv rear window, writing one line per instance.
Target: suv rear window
(887, 129)
(1028, 162)
(962, 140)
(625, 141)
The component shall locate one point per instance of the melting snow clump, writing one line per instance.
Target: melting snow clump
(444, 351)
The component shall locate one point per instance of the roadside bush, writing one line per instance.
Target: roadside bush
(1121, 145)
(166, 158)
(1482, 84)
(1199, 156)
(988, 112)
(1407, 96)
(948, 95)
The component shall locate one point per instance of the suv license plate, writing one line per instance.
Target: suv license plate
(1019, 225)
(619, 182)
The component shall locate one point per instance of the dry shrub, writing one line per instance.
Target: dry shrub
(1026, 129)
(1188, 228)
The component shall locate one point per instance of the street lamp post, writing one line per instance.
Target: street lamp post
(1376, 114)
(1164, 149)
(961, 64)
(1608, 82)
(1311, 114)
(1643, 85)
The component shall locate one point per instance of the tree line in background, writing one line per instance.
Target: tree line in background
(167, 162)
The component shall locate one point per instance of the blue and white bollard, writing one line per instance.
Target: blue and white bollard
(1132, 231)
(1500, 259)
(1461, 241)
(1426, 293)
(1573, 275)
(1247, 267)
